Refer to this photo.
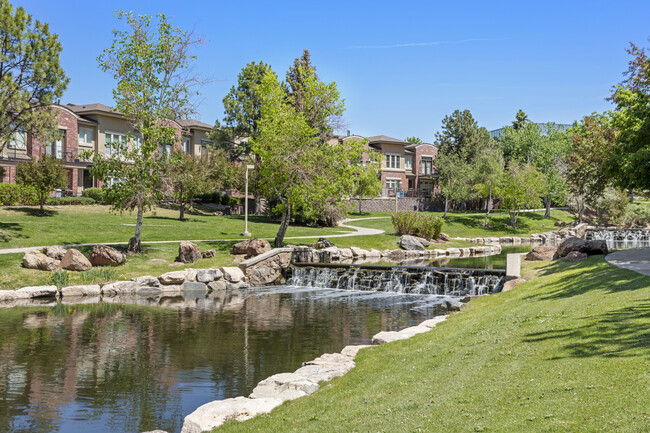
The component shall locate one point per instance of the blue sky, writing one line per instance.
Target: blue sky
(401, 66)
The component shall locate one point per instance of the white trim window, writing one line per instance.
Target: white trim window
(408, 162)
(393, 184)
(18, 140)
(113, 141)
(427, 165)
(393, 160)
(86, 136)
(186, 146)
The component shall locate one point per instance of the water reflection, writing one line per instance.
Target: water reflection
(129, 365)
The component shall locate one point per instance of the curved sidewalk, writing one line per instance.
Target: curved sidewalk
(636, 259)
(360, 231)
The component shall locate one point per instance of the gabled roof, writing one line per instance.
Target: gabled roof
(193, 123)
(386, 139)
(89, 108)
(413, 146)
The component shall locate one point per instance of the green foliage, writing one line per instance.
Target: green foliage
(521, 119)
(44, 174)
(60, 278)
(31, 77)
(414, 140)
(97, 194)
(185, 177)
(421, 224)
(488, 170)
(210, 197)
(12, 194)
(62, 201)
(368, 183)
(612, 206)
(520, 189)
(629, 164)
(96, 275)
(636, 215)
(227, 200)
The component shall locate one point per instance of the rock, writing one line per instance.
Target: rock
(444, 237)
(37, 260)
(433, 322)
(208, 275)
(541, 253)
(345, 253)
(453, 251)
(596, 247)
(147, 281)
(269, 271)
(237, 286)
(396, 255)
(574, 256)
(284, 386)
(424, 242)
(190, 274)
(32, 292)
(103, 255)
(373, 253)
(353, 351)
(232, 274)
(54, 252)
(410, 243)
(509, 285)
(212, 415)
(217, 285)
(302, 254)
(208, 254)
(452, 305)
(560, 224)
(322, 243)
(91, 290)
(358, 252)
(251, 247)
(158, 261)
(588, 247)
(190, 285)
(120, 288)
(148, 291)
(326, 367)
(175, 277)
(7, 295)
(390, 336)
(188, 252)
(74, 260)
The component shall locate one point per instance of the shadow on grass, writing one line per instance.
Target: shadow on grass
(624, 332)
(165, 218)
(36, 212)
(9, 231)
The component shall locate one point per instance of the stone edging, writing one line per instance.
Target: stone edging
(536, 238)
(276, 389)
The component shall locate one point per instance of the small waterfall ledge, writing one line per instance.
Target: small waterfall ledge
(620, 238)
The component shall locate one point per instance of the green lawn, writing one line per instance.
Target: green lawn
(471, 225)
(380, 242)
(23, 227)
(568, 351)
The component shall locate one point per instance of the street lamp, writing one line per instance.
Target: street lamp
(246, 233)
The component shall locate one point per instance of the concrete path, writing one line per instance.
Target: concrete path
(636, 259)
(359, 231)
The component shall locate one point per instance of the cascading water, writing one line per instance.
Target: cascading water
(412, 280)
(621, 238)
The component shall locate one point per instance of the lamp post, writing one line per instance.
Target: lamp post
(246, 233)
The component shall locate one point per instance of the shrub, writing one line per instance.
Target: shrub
(97, 194)
(227, 200)
(636, 215)
(62, 201)
(419, 224)
(60, 278)
(12, 194)
(211, 197)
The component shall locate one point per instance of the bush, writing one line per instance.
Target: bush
(419, 224)
(97, 194)
(60, 278)
(63, 201)
(12, 194)
(227, 200)
(211, 197)
(636, 215)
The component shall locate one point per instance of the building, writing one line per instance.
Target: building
(94, 128)
(542, 126)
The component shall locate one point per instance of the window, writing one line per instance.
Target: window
(427, 166)
(113, 141)
(137, 142)
(392, 161)
(393, 184)
(85, 136)
(18, 140)
(408, 162)
(186, 146)
(164, 150)
(55, 148)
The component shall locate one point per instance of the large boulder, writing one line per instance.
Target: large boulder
(251, 247)
(208, 254)
(103, 255)
(591, 248)
(326, 367)
(173, 278)
(212, 415)
(322, 243)
(541, 253)
(54, 252)
(269, 271)
(33, 292)
(232, 274)
(74, 260)
(91, 290)
(284, 386)
(188, 252)
(444, 237)
(410, 243)
(37, 260)
(574, 256)
(208, 275)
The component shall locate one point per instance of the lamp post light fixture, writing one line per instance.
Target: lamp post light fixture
(246, 232)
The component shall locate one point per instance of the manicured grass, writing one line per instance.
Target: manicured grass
(567, 351)
(380, 242)
(13, 275)
(23, 227)
(471, 225)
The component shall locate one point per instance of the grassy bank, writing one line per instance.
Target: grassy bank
(567, 351)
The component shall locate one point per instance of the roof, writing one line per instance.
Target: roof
(87, 108)
(193, 123)
(386, 139)
(414, 146)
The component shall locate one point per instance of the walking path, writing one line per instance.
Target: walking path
(636, 259)
(360, 231)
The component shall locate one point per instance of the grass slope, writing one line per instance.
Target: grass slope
(567, 351)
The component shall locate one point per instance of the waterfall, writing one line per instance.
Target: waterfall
(621, 238)
(397, 279)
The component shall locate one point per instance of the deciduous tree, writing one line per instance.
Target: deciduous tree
(368, 183)
(185, 177)
(44, 174)
(520, 189)
(31, 77)
(488, 171)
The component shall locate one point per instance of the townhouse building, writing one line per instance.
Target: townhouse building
(94, 128)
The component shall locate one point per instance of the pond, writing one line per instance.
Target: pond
(497, 261)
(144, 364)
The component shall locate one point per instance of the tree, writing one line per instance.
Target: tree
(185, 177)
(301, 170)
(368, 183)
(521, 120)
(44, 174)
(593, 140)
(31, 77)
(629, 164)
(488, 171)
(241, 111)
(520, 189)
(414, 140)
(453, 177)
(150, 63)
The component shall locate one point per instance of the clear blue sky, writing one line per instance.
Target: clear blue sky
(400, 65)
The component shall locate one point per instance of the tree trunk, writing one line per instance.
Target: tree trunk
(135, 244)
(487, 207)
(284, 224)
(182, 212)
(446, 206)
(359, 204)
(42, 203)
(513, 218)
(547, 205)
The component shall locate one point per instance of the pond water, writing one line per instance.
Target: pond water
(143, 364)
(497, 261)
